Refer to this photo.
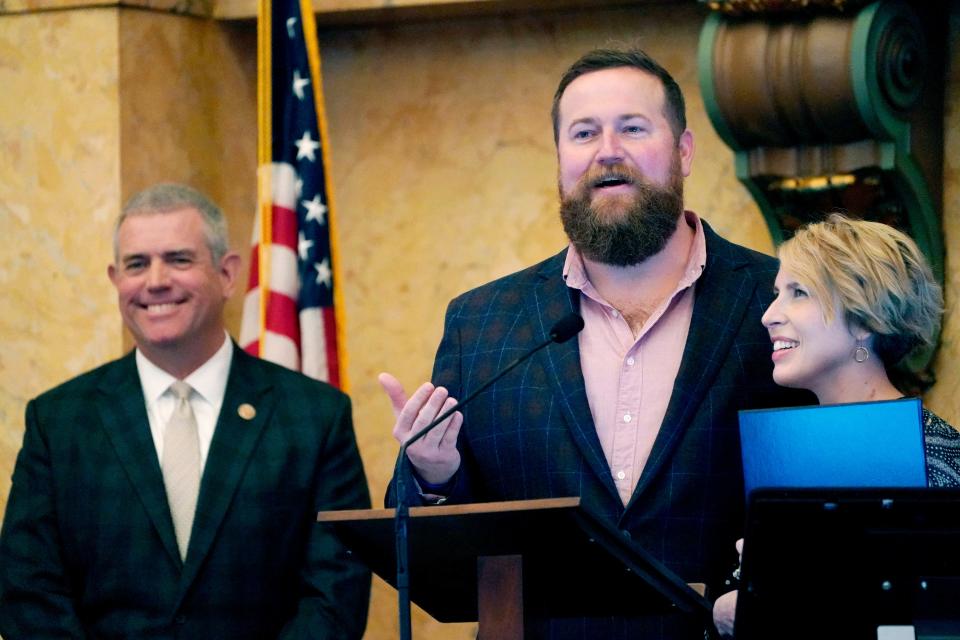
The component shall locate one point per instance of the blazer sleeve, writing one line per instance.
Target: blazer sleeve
(335, 585)
(36, 597)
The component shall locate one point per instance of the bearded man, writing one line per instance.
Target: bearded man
(638, 416)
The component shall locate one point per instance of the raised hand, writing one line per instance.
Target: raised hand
(435, 456)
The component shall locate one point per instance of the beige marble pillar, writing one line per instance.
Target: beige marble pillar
(97, 102)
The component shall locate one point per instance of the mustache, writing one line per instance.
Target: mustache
(612, 175)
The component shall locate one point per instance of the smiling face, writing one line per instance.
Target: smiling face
(809, 352)
(611, 128)
(621, 169)
(170, 292)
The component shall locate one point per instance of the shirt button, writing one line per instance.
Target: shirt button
(630, 361)
(626, 417)
(621, 475)
(615, 313)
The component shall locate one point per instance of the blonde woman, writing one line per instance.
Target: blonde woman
(853, 299)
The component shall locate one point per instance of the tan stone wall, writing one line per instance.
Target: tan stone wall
(95, 104)
(443, 167)
(944, 398)
(59, 179)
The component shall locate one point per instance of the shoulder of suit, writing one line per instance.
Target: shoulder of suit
(518, 280)
(88, 381)
(721, 249)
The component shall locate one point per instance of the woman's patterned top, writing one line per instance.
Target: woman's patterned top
(942, 443)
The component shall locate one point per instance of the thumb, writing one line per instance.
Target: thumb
(394, 391)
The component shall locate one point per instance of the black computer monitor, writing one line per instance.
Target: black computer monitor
(851, 564)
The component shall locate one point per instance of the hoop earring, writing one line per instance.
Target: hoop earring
(860, 354)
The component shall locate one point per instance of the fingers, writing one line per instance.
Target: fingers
(435, 405)
(451, 430)
(724, 612)
(410, 411)
(417, 411)
(740, 547)
(435, 455)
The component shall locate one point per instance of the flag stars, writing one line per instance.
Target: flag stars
(324, 274)
(307, 147)
(303, 246)
(299, 83)
(315, 209)
(291, 22)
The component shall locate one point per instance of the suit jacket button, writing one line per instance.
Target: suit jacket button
(626, 534)
(180, 619)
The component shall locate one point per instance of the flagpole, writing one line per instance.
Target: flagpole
(264, 157)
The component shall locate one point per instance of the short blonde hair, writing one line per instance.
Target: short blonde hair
(877, 275)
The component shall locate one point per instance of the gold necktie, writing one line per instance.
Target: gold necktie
(180, 464)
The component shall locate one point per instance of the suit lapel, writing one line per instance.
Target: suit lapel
(124, 417)
(724, 292)
(247, 406)
(550, 301)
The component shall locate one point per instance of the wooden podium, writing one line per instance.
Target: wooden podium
(506, 563)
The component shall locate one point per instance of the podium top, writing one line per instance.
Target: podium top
(573, 563)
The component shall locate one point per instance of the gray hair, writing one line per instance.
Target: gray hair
(167, 197)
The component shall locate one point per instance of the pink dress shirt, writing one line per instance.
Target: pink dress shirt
(629, 379)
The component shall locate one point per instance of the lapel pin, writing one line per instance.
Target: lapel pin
(246, 411)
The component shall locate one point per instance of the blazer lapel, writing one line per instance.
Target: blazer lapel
(123, 415)
(551, 301)
(725, 291)
(247, 406)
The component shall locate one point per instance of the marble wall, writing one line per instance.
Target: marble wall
(119, 99)
(443, 168)
(60, 171)
(943, 397)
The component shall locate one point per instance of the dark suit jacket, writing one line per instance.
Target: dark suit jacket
(532, 435)
(88, 548)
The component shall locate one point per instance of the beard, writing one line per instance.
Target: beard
(622, 230)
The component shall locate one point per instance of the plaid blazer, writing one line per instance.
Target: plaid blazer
(88, 547)
(531, 435)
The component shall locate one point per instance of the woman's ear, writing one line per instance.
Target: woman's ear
(859, 333)
(862, 335)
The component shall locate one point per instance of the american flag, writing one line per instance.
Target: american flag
(289, 312)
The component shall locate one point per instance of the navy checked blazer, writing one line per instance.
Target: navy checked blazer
(531, 435)
(88, 547)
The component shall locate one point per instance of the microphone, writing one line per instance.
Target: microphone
(567, 327)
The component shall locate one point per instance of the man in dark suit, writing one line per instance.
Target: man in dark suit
(638, 416)
(173, 493)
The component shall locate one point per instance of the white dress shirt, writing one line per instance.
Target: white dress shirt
(209, 384)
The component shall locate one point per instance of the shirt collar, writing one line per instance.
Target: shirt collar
(575, 274)
(209, 380)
